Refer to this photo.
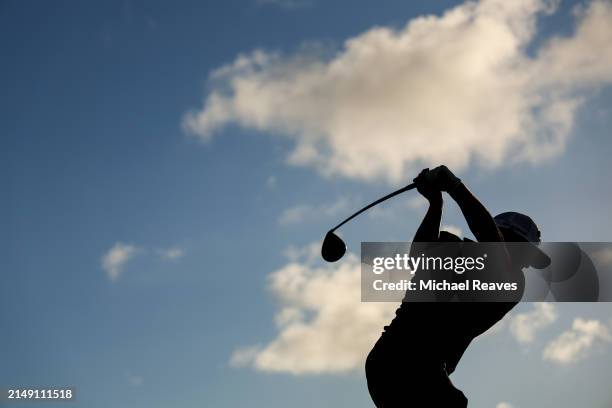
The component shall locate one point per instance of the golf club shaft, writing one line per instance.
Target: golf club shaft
(380, 200)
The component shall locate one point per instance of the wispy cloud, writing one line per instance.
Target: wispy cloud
(171, 254)
(115, 259)
(308, 254)
(459, 88)
(306, 212)
(525, 326)
(577, 343)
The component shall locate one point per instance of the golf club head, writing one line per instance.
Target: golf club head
(333, 247)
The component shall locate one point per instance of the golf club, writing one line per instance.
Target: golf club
(333, 247)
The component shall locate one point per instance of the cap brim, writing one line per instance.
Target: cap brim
(539, 259)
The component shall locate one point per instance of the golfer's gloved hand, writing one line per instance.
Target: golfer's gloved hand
(438, 179)
(444, 179)
(426, 186)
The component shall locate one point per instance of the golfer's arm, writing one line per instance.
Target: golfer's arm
(429, 230)
(479, 219)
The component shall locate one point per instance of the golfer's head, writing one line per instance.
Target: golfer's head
(517, 227)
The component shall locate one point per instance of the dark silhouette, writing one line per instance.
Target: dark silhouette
(333, 247)
(411, 362)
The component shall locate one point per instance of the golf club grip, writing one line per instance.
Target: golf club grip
(380, 200)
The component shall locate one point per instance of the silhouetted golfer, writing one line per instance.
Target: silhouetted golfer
(410, 364)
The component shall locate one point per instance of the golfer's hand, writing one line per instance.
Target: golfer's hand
(426, 185)
(444, 179)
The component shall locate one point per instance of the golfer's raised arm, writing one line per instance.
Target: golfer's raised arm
(479, 219)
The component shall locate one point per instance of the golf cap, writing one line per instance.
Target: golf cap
(526, 229)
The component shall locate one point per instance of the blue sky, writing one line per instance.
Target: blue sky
(96, 153)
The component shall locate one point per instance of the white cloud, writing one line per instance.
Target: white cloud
(305, 212)
(295, 215)
(171, 254)
(323, 326)
(114, 261)
(458, 89)
(576, 343)
(244, 356)
(504, 405)
(524, 326)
